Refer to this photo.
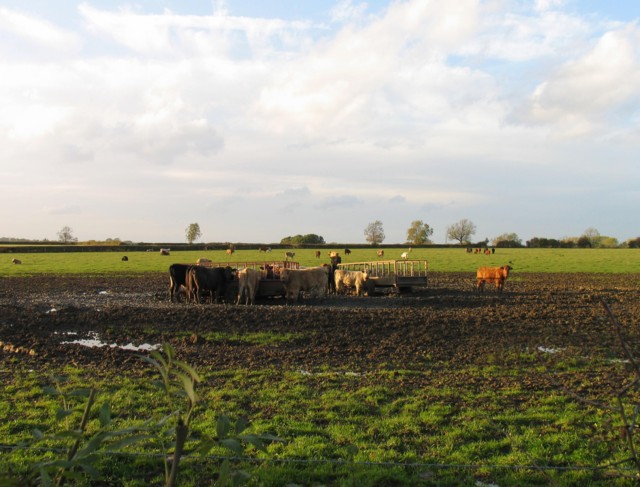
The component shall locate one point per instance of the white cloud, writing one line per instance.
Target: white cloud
(424, 107)
(595, 90)
(35, 32)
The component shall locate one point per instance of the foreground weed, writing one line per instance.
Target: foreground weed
(80, 449)
(177, 381)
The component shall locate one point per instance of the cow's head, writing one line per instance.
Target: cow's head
(284, 274)
(229, 274)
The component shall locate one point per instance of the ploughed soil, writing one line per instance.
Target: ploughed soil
(446, 324)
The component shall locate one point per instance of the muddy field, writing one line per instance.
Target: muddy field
(446, 323)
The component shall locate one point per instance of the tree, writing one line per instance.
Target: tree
(461, 231)
(589, 238)
(419, 233)
(634, 243)
(507, 240)
(193, 232)
(65, 235)
(309, 239)
(374, 233)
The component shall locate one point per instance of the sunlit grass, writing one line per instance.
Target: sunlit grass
(440, 260)
(331, 415)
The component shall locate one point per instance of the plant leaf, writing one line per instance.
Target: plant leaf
(232, 444)
(105, 414)
(222, 427)
(189, 370)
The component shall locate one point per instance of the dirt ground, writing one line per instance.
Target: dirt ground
(444, 323)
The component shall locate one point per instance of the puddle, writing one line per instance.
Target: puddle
(550, 350)
(96, 342)
(351, 374)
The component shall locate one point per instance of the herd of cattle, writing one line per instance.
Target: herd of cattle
(200, 282)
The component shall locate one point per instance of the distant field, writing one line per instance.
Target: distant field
(609, 261)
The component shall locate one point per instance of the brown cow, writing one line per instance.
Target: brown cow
(203, 261)
(16, 261)
(493, 274)
(230, 252)
(318, 253)
(380, 253)
(347, 251)
(289, 255)
(165, 251)
(350, 279)
(248, 281)
(333, 254)
(313, 280)
(125, 258)
(264, 249)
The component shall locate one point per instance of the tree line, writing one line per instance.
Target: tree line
(419, 233)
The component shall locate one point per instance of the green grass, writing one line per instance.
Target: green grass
(617, 261)
(349, 429)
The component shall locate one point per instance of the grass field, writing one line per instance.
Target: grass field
(613, 261)
(392, 424)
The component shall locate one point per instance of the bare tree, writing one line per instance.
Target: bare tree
(461, 231)
(193, 232)
(590, 238)
(374, 233)
(65, 235)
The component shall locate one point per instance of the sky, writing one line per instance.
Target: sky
(262, 120)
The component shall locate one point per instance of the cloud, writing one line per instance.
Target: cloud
(37, 33)
(295, 192)
(64, 210)
(593, 90)
(424, 106)
(345, 10)
(339, 202)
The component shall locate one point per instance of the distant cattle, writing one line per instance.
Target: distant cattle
(125, 258)
(289, 255)
(333, 254)
(493, 274)
(313, 280)
(380, 253)
(230, 252)
(248, 282)
(16, 261)
(177, 278)
(318, 254)
(165, 251)
(203, 261)
(211, 282)
(405, 255)
(264, 249)
(347, 251)
(350, 279)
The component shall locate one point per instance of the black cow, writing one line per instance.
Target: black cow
(213, 281)
(177, 278)
(335, 260)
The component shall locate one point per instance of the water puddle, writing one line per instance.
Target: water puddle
(550, 350)
(348, 374)
(95, 342)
